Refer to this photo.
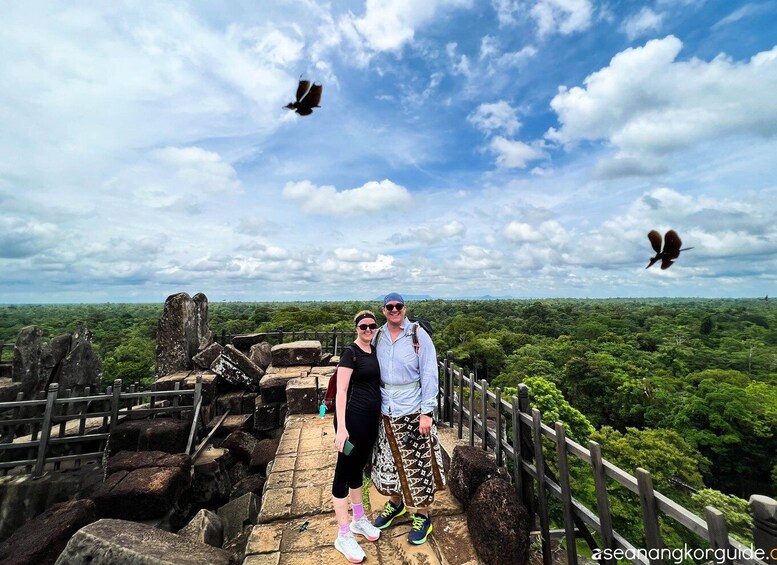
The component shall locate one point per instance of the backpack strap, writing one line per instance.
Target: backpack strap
(416, 342)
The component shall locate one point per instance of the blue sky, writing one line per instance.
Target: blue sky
(506, 147)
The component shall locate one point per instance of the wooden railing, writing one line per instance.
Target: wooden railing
(486, 415)
(81, 425)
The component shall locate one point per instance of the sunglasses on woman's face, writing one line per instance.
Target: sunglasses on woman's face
(365, 327)
(399, 306)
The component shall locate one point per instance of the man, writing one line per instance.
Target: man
(407, 463)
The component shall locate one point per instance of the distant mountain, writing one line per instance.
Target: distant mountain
(409, 297)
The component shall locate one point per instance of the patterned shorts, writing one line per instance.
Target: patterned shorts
(405, 463)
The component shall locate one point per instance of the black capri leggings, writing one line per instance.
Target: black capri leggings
(363, 431)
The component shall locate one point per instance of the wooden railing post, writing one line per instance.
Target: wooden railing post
(45, 431)
(647, 501)
(764, 512)
(461, 401)
(566, 492)
(517, 459)
(484, 412)
(446, 391)
(524, 434)
(542, 501)
(471, 409)
(498, 446)
(115, 399)
(716, 524)
(602, 502)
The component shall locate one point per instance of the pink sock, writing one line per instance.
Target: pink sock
(358, 511)
(344, 530)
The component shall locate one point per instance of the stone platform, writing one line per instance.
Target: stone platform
(297, 524)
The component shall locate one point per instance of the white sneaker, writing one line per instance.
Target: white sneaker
(348, 546)
(364, 527)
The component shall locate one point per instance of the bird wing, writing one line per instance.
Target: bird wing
(313, 96)
(672, 244)
(302, 89)
(655, 240)
(666, 263)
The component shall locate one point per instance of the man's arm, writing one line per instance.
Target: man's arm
(427, 362)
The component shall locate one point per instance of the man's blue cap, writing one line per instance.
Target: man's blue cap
(393, 296)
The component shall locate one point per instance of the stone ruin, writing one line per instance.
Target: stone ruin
(149, 489)
(67, 359)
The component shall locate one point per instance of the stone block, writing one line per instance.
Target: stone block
(263, 453)
(232, 423)
(211, 484)
(9, 389)
(107, 542)
(306, 352)
(241, 360)
(205, 358)
(241, 445)
(498, 524)
(232, 375)
(238, 513)
(168, 382)
(206, 527)
(131, 460)
(43, 538)
(208, 387)
(159, 434)
(141, 494)
(470, 468)
(302, 395)
(261, 354)
(231, 400)
(251, 483)
(273, 387)
(291, 371)
(266, 415)
(244, 342)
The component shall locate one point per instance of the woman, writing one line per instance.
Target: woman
(357, 415)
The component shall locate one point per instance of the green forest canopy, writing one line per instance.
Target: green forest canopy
(705, 370)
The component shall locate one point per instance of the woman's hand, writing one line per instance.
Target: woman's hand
(342, 435)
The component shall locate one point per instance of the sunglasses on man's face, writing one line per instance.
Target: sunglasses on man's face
(390, 307)
(365, 327)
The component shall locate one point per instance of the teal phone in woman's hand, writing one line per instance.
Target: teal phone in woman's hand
(347, 447)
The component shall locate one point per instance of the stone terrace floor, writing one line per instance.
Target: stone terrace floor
(298, 492)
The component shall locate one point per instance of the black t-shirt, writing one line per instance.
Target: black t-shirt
(364, 388)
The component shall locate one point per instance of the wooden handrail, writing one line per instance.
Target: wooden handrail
(713, 530)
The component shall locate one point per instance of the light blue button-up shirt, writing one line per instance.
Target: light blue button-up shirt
(399, 365)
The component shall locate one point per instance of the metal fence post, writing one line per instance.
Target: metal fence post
(45, 431)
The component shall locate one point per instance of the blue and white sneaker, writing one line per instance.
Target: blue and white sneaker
(420, 530)
(390, 512)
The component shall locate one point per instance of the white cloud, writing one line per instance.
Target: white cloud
(514, 154)
(506, 11)
(23, 238)
(387, 25)
(174, 176)
(326, 200)
(562, 16)
(432, 233)
(498, 116)
(643, 22)
(647, 104)
(746, 11)
(352, 255)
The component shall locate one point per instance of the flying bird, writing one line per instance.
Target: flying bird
(308, 98)
(672, 244)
